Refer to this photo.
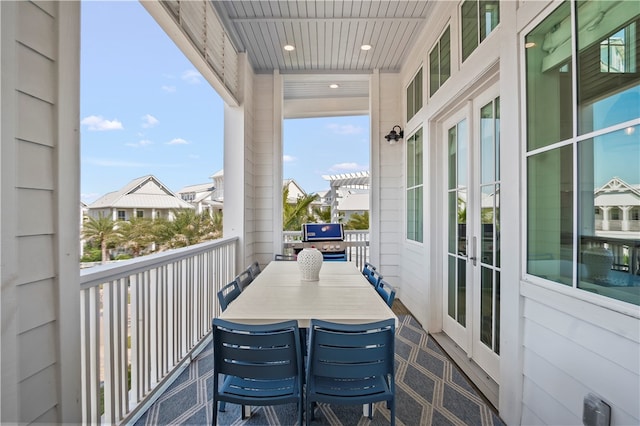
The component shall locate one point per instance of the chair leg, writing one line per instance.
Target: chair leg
(370, 411)
(214, 414)
(246, 412)
(223, 406)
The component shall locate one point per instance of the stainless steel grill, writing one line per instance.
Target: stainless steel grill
(326, 237)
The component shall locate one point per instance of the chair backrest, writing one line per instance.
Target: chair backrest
(244, 278)
(374, 277)
(289, 257)
(254, 269)
(266, 351)
(228, 294)
(386, 291)
(367, 270)
(351, 351)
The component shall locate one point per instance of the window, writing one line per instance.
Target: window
(139, 213)
(479, 18)
(582, 179)
(122, 215)
(414, 95)
(440, 62)
(414, 187)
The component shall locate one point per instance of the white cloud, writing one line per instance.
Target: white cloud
(139, 144)
(98, 123)
(168, 89)
(288, 158)
(352, 167)
(192, 76)
(149, 120)
(345, 129)
(177, 141)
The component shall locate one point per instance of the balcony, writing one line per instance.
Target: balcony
(144, 320)
(145, 324)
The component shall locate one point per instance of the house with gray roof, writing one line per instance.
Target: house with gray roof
(145, 196)
(202, 197)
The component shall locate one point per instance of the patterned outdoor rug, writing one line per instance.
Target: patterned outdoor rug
(430, 390)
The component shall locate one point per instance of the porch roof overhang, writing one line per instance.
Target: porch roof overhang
(327, 36)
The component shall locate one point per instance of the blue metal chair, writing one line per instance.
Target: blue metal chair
(373, 275)
(261, 364)
(254, 269)
(368, 269)
(228, 294)
(351, 364)
(285, 257)
(386, 291)
(244, 278)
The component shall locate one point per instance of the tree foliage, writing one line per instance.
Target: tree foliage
(294, 215)
(101, 231)
(358, 221)
(138, 236)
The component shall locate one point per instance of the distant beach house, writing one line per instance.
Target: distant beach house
(617, 209)
(145, 196)
(203, 197)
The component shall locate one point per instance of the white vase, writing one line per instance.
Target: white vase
(598, 261)
(309, 263)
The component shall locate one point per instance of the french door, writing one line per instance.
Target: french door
(471, 314)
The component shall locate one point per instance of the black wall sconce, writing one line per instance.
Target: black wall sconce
(393, 137)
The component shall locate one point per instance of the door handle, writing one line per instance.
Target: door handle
(474, 258)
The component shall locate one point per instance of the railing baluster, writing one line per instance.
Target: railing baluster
(154, 311)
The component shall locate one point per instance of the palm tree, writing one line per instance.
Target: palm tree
(294, 215)
(136, 234)
(101, 230)
(358, 221)
(189, 227)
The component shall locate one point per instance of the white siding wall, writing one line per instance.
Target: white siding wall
(267, 169)
(39, 223)
(557, 345)
(572, 348)
(387, 183)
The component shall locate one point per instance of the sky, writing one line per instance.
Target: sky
(145, 110)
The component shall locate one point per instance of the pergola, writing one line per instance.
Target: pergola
(356, 180)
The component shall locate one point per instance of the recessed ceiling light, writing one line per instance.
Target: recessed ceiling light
(333, 86)
(289, 47)
(365, 47)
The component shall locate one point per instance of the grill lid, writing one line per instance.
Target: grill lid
(322, 232)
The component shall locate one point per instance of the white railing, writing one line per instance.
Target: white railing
(141, 320)
(357, 246)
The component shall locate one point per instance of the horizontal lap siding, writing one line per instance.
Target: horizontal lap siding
(391, 181)
(264, 168)
(566, 357)
(34, 209)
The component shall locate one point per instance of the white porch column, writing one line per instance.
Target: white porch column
(334, 204)
(606, 212)
(626, 226)
(114, 214)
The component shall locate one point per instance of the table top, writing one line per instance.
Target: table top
(342, 294)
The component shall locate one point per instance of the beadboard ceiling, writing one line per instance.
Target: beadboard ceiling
(327, 36)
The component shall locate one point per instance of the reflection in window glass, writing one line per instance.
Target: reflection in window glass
(414, 187)
(549, 80)
(607, 215)
(609, 244)
(550, 215)
(479, 18)
(608, 77)
(414, 95)
(440, 62)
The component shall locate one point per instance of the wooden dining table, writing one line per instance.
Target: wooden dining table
(342, 294)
